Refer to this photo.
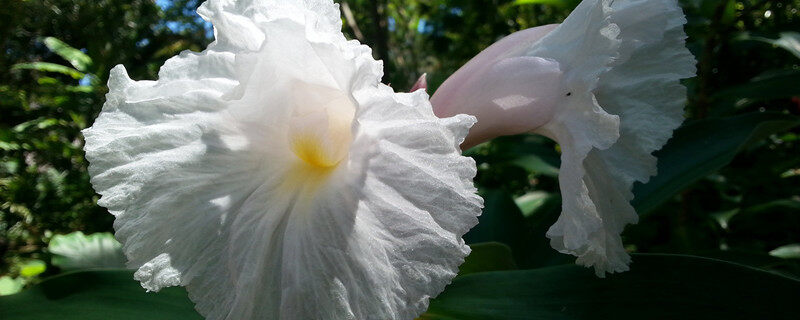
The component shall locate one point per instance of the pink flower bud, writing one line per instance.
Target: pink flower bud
(508, 92)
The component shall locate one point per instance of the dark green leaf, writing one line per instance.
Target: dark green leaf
(657, 287)
(501, 221)
(768, 86)
(535, 163)
(487, 256)
(701, 148)
(533, 153)
(100, 295)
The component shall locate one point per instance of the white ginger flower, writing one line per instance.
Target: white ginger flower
(274, 177)
(604, 84)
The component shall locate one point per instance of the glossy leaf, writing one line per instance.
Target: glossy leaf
(701, 148)
(96, 295)
(656, 287)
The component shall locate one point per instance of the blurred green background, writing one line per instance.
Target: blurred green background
(730, 180)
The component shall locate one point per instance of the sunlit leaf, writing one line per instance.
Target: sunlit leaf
(656, 287)
(80, 89)
(49, 67)
(75, 57)
(532, 202)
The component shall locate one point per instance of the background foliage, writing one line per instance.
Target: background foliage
(729, 186)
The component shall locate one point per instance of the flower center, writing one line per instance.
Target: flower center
(320, 125)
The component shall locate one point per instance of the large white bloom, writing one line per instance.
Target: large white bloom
(276, 178)
(605, 85)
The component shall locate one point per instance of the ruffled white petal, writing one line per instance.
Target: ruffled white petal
(199, 170)
(630, 56)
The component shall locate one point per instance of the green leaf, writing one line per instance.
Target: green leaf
(488, 256)
(770, 85)
(535, 163)
(755, 259)
(533, 202)
(78, 251)
(81, 89)
(791, 251)
(75, 57)
(49, 67)
(96, 295)
(541, 211)
(701, 148)
(501, 221)
(656, 287)
(532, 153)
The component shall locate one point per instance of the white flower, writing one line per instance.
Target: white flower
(276, 178)
(605, 85)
